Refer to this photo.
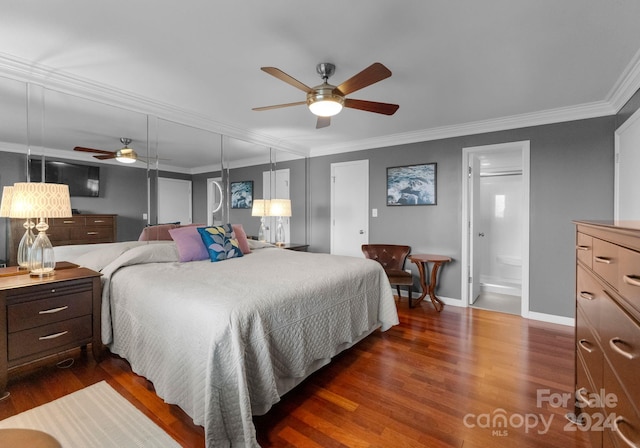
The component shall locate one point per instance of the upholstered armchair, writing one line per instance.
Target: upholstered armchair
(392, 258)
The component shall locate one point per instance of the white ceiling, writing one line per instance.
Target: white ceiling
(459, 66)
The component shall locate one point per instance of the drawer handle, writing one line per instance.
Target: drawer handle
(53, 310)
(631, 280)
(583, 248)
(612, 344)
(68, 222)
(92, 233)
(602, 260)
(580, 395)
(585, 345)
(52, 336)
(620, 419)
(586, 295)
(98, 221)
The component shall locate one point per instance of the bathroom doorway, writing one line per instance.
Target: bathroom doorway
(496, 239)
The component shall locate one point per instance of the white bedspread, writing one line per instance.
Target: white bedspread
(225, 340)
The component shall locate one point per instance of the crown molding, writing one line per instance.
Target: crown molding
(581, 112)
(627, 85)
(31, 72)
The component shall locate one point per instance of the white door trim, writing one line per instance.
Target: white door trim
(632, 121)
(524, 147)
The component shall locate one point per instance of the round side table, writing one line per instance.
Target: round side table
(421, 260)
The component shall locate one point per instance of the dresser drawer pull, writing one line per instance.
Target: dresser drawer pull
(52, 336)
(583, 248)
(585, 345)
(68, 222)
(97, 221)
(613, 344)
(580, 395)
(631, 280)
(92, 233)
(53, 310)
(620, 419)
(586, 295)
(602, 260)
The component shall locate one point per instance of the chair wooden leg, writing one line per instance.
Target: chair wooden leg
(410, 297)
(398, 289)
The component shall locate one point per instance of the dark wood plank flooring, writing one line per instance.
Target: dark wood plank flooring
(436, 380)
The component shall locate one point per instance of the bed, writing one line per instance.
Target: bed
(225, 340)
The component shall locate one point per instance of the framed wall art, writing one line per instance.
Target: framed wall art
(242, 194)
(412, 185)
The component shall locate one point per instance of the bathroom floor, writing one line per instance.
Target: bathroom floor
(503, 303)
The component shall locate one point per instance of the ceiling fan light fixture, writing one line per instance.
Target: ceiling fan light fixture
(126, 155)
(323, 101)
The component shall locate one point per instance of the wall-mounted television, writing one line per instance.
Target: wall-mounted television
(83, 180)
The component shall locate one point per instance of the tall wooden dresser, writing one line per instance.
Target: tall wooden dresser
(78, 229)
(608, 332)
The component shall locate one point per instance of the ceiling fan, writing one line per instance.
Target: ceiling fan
(326, 100)
(123, 155)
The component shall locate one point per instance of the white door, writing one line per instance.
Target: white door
(275, 185)
(215, 200)
(476, 233)
(174, 200)
(349, 207)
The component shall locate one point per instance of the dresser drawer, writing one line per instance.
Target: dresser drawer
(588, 347)
(93, 221)
(36, 313)
(605, 261)
(584, 249)
(49, 337)
(91, 233)
(629, 280)
(623, 416)
(74, 221)
(584, 410)
(620, 336)
(589, 296)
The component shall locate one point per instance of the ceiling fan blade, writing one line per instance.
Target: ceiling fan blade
(96, 151)
(278, 106)
(282, 76)
(323, 122)
(105, 157)
(371, 106)
(370, 75)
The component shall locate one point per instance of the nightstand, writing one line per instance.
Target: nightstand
(42, 317)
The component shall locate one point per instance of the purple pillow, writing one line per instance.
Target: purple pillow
(189, 244)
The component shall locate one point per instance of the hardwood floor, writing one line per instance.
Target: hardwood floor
(435, 380)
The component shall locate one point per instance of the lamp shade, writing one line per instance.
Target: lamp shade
(260, 207)
(280, 207)
(40, 200)
(5, 205)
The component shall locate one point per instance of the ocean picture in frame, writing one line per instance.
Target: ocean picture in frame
(412, 185)
(242, 194)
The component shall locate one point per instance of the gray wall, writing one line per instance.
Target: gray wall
(123, 191)
(572, 174)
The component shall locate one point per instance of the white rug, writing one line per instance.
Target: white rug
(94, 417)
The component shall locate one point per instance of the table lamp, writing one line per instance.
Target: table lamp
(26, 242)
(280, 208)
(41, 200)
(260, 208)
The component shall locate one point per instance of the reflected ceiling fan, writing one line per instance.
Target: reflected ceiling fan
(326, 100)
(123, 155)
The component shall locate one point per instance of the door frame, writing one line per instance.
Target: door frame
(524, 148)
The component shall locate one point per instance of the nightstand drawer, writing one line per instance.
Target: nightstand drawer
(48, 337)
(42, 312)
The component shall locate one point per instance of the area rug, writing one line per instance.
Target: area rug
(97, 417)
